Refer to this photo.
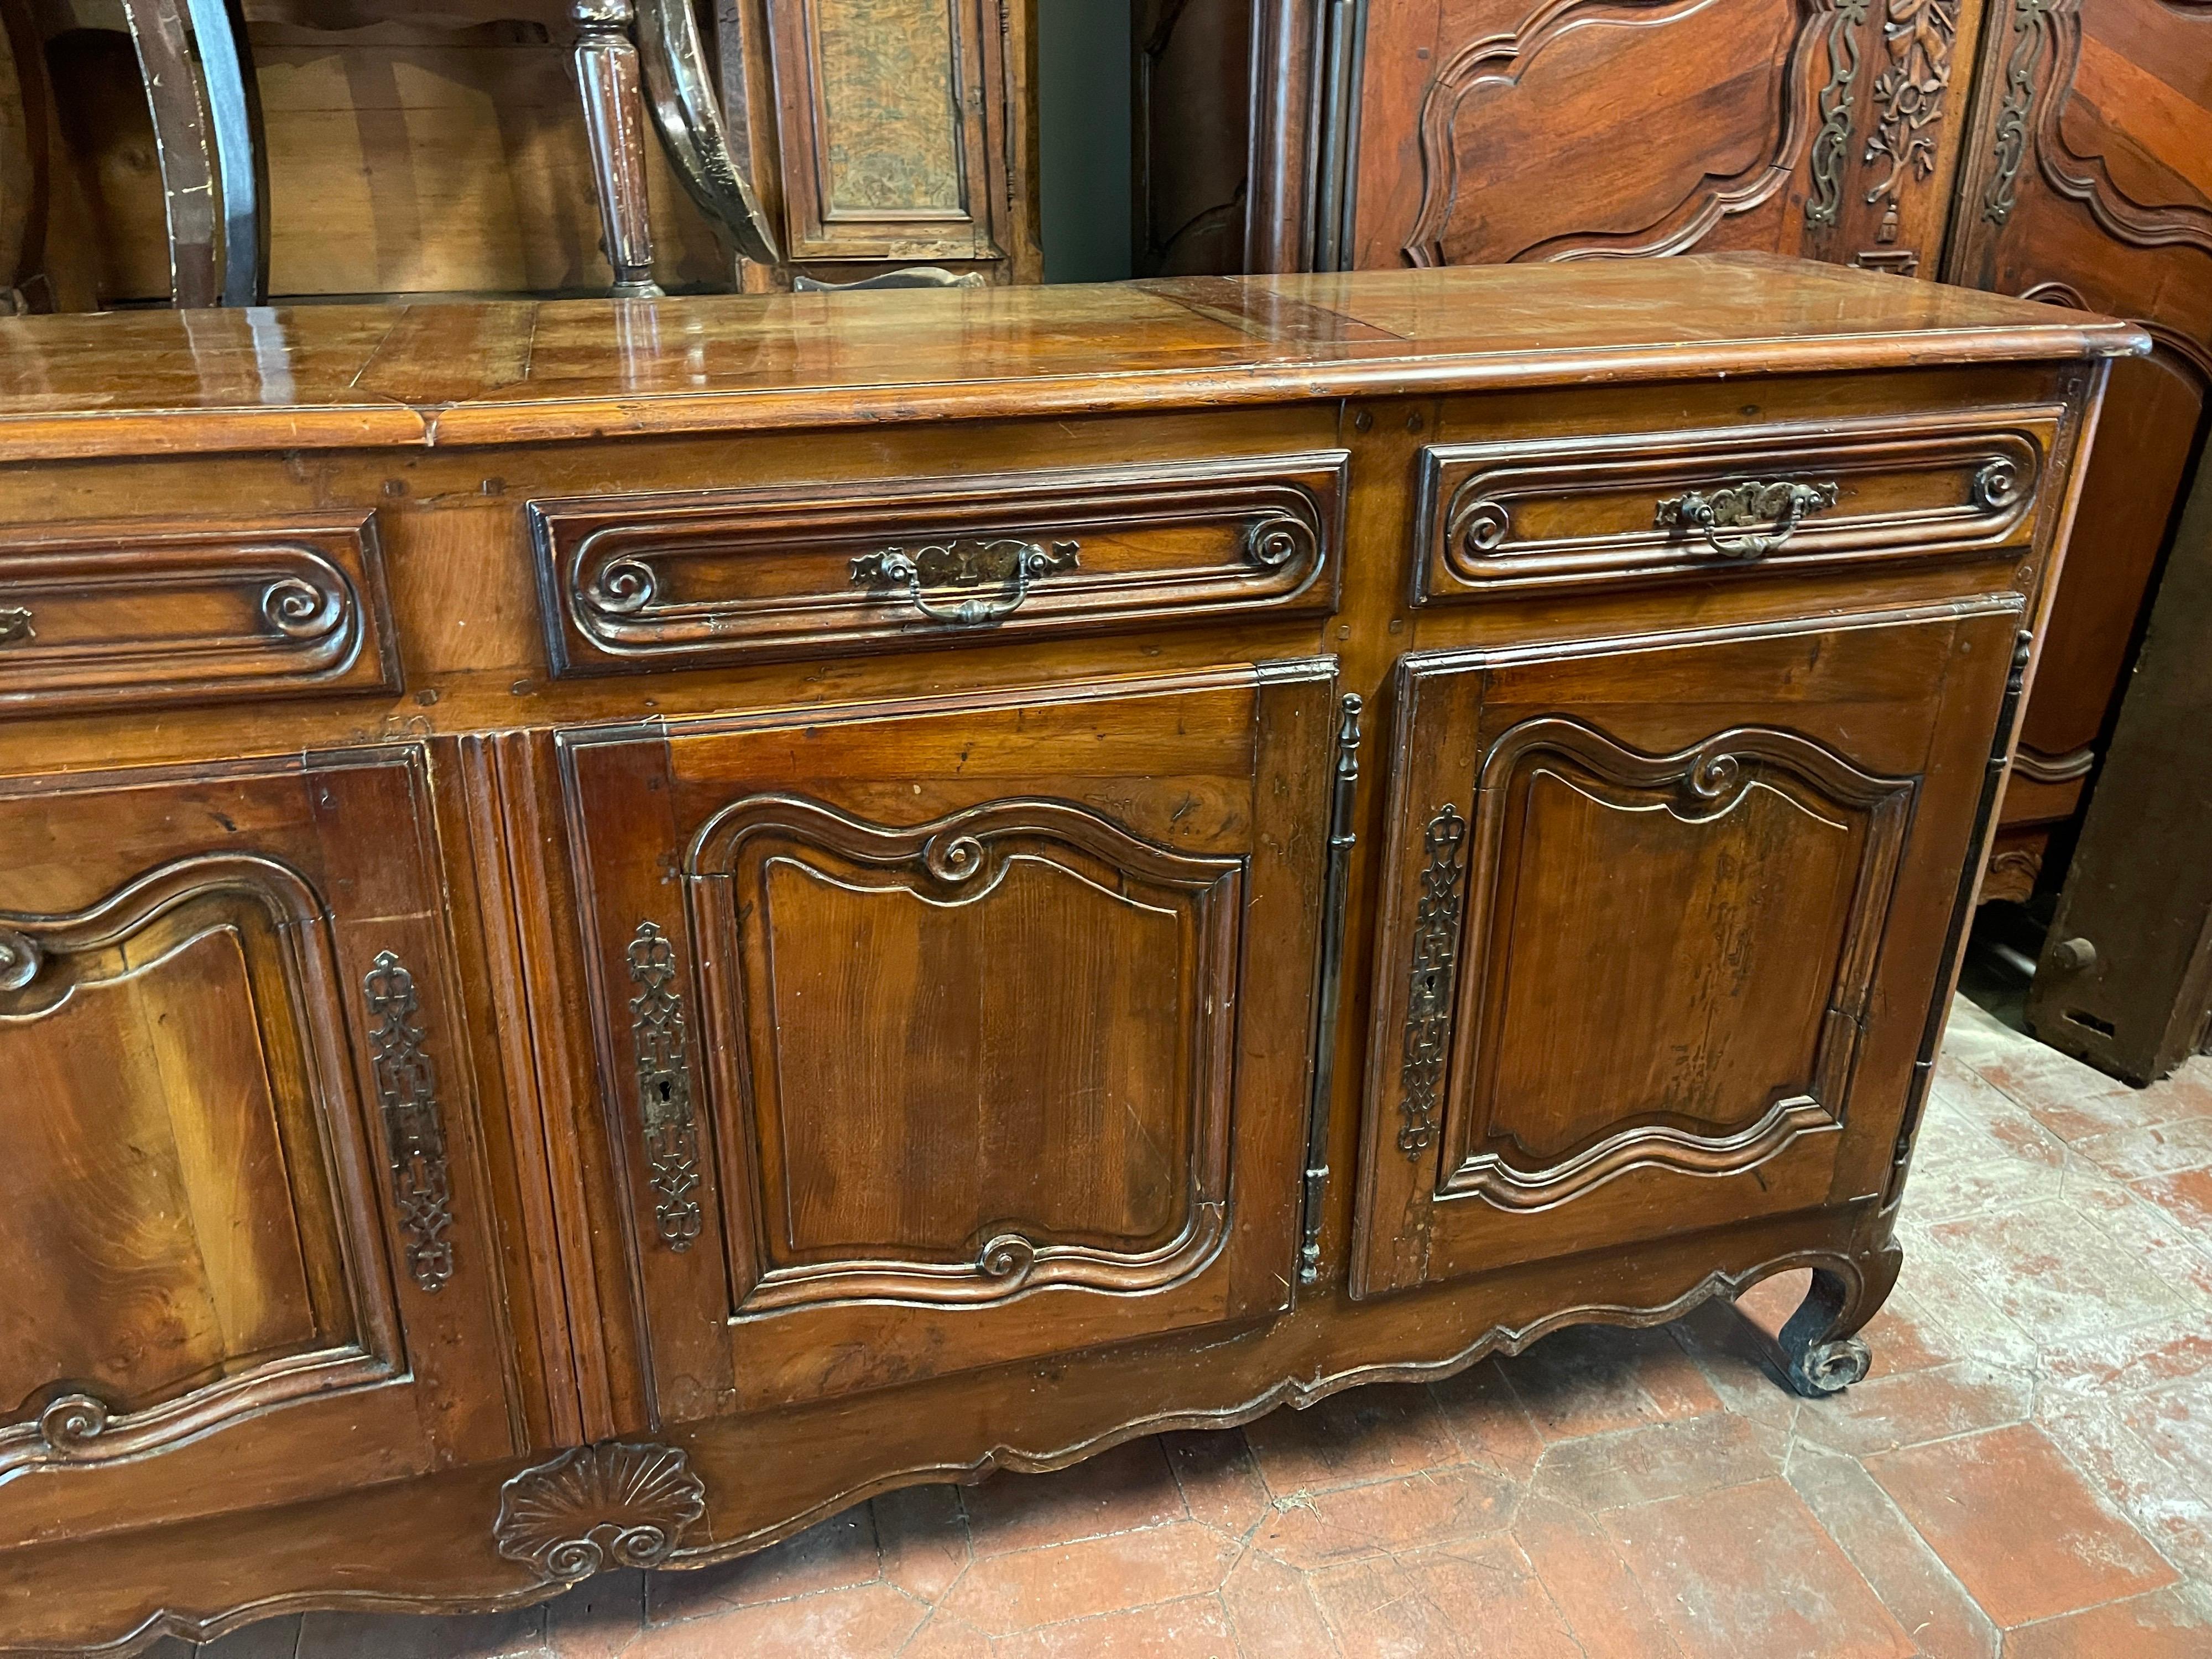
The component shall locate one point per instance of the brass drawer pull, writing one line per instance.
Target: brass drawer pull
(1003, 562)
(16, 625)
(1739, 506)
(19, 959)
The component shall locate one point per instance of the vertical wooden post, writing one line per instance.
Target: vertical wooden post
(614, 121)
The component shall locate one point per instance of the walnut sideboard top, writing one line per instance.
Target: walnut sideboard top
(622, 923)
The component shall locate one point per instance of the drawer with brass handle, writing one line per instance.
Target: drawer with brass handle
(1579, 512)
(96, 615)
(666, 580)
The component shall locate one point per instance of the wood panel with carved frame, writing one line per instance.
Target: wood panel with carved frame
(251, 1238)
(954, 1032)
(1641, 902)
(1574, 129)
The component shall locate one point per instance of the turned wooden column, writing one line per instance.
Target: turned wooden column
(614, 120)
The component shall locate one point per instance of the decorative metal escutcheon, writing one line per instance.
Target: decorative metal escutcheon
(16, 625)
(1004, 563)
(1746, 506)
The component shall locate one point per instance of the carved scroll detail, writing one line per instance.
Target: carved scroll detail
(2031, 23)
(1845, 18)
(1909, 97)
(664, 1087)
(414, 1125)
(1430, 977)
(596, 1507)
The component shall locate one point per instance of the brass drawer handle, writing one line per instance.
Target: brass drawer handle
(1005, 562)
(16, 625)
(1738, 506)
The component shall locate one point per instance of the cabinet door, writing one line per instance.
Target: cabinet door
(937, 1033)
(247, 1242)
(2088, 183)
(1660, 928)
(1500, 130)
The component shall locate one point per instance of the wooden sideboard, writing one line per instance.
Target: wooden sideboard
(2055, 149)
(623, 923)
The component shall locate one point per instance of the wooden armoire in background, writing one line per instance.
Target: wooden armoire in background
(2052, 149)
(230, 151)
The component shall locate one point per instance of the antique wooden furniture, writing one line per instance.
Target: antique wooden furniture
(623, 922)
(224, 151)
(2125, 979)
(2050, 149)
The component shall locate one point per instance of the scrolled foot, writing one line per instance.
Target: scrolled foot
(1821, 1355)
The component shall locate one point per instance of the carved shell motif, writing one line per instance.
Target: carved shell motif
(596, 1507)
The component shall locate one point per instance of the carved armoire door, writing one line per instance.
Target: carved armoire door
(242, 1204)
(2088, 183)
(940, 1033)
(1660, 928)
(1490, 130)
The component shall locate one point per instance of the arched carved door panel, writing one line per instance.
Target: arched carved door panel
(943, 1033)
(239, 1169)
(1638, 903)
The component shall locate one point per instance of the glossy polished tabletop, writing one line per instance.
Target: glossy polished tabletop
(494, 371)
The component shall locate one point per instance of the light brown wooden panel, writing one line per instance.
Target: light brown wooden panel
(1635, 918)
(986, 1012)
(2088, 183)
(1498, 129)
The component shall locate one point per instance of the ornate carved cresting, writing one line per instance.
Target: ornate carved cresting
(1908, 98)
(613, 1505)
(414, 1123)
(1430, 977)
(663, 1088)
(1846, 18)
(2031, 23)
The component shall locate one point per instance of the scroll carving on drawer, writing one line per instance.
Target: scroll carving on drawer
(1565, 512)
(676, 581)
(978, 902)
(97, 615)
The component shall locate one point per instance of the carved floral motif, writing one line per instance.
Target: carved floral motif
(1908, 98)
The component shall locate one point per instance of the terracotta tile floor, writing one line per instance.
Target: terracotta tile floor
(2028, 1470)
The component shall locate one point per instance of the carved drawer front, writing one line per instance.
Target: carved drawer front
(236, 1189)
(969, 1033)
(1568, 512)
(686, 581)
(1661, 930)
(96, 614)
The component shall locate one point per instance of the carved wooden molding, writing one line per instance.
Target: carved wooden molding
(39, 973)
(1845, 19)
(953, 862)
(2085, 179)
(414, 1122)
(1492, 60)
(679, 580)
(1936, 487)
(2197, 353)
(99, 615)
(598, 1507)
(2033, 764)
(1908, 96)
(1702, 784)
